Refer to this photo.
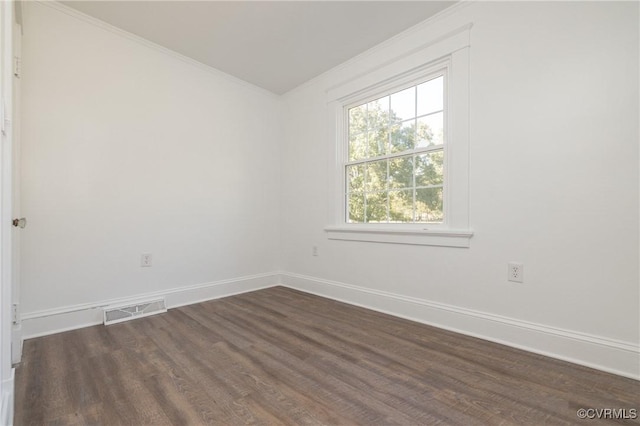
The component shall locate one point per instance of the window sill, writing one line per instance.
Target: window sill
(413, 236)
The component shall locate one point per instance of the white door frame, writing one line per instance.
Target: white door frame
(16, 342)
(6, 209)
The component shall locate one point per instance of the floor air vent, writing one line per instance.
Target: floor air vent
(116, 314)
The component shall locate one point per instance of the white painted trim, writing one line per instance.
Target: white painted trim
(151, 45)
(447, 54)
(16, 344)
(65, 318)
(414, 236)
(8, 392)
(7, 373)
(612, 356)
(428, 53)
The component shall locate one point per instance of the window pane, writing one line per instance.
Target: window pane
(403, 136)
(401, 172)
(401, 206)
(357, 120)
(430, 96)
(376, 178)
(356, 207)
(378, 113)
(355, 178)
(403, 104)
(429, 168)
(378, 142)
(377, 207)
(429, 205)
(357, 146)
(430, 130)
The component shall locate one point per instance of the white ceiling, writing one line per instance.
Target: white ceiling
(276, 45)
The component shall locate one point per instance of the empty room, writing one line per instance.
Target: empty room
(319, 212)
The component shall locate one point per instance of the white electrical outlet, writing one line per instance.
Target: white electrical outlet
(314, 250)
(145, 260)
(515, 272)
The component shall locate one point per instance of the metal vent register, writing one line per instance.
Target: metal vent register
(116, 314)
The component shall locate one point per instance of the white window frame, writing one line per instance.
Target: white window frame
(451, 55)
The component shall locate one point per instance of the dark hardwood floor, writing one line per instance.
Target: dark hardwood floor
(279, 356)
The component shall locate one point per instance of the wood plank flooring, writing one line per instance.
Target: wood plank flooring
(279, 356)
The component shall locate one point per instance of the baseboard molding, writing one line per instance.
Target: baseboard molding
(8, 391)
(51, 321)
(16, 344)
(617, 357)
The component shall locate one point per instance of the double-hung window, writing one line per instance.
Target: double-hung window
(401, 138)
(395, 167)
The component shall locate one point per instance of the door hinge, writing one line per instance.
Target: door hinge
(15, 316)
(17, 66)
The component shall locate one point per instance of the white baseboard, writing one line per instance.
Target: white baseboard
(16, 344)
(51, 321)
(617, 357)
(6, 412)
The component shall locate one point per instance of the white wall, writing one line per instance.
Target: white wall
(127, 150)
(554, 181)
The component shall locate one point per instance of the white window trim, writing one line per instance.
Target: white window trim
(452, 52)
